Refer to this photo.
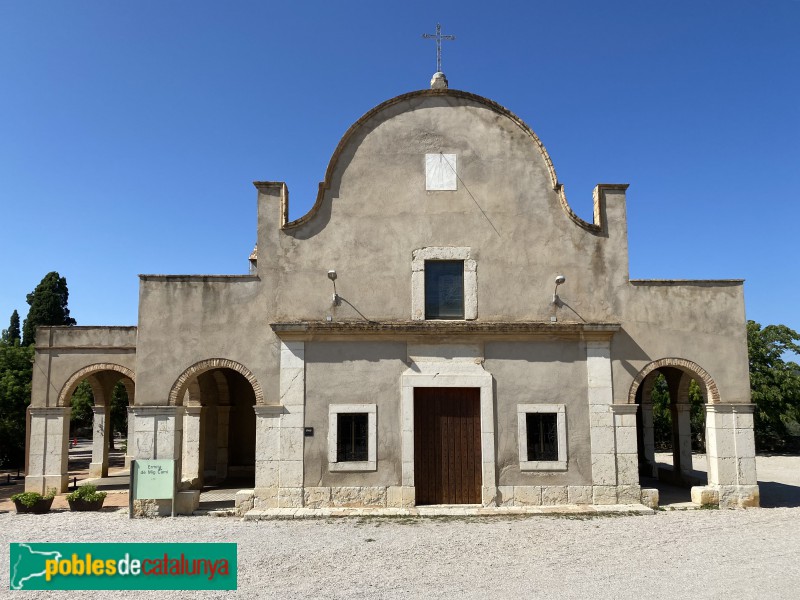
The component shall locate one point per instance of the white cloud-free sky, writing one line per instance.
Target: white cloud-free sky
(130, 132)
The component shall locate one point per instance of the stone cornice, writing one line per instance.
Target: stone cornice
(62, 348)
(203, 278)
(697, 282)
(407, 330)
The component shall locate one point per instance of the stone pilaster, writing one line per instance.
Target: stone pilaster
(279, 435)
(731, 454)
(601, 422)
(99, 465)
(223, 429)
(130, 436)
(157, 432)
(268, 454)
(648, 435)
(628, 489)
(683, 414)
(191, 467)
(293, 399)
(49, 450)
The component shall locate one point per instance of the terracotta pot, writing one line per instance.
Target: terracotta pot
(83, 505)
(41, 507)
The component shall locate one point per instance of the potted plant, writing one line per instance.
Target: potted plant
(34, 502)
(86, 497)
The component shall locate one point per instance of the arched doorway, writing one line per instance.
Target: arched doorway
(672, 395)
(99, 397)
(219, 428)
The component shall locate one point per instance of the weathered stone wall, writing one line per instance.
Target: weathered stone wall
(353, 373)
(62, 353)
(540, 373)
(184, 320)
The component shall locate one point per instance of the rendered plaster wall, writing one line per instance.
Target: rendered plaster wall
(540, 373)
(703, 322)
(63, 351)
(376, 212)
(184, 320)
(353, 373)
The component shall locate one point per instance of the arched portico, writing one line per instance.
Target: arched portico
(49, 433)
(730, 448)
(218, 443)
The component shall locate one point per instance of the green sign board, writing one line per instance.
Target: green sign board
(153, 479)
(134, 566)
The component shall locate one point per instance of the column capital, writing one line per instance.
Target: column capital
(155, 411)
(624, 409)
(718, 407)
(100, 410)
(50, 411)
(269, 410)
(194, 410)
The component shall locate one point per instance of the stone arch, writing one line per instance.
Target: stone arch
(88, 371)
(181, 384)
(687, 366)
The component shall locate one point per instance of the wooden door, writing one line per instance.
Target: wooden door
(447, 445)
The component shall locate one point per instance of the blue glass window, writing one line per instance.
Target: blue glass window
(444, 289)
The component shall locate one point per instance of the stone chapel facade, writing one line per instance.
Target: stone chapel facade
(440, 328)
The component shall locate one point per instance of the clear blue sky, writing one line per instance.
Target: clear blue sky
(130, 132)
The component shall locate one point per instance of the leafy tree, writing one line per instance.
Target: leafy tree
(16, 369)
(82, 416)
(119, 412)
(81, 407)
(48, 304)
(774, 382)
(11, 334)
(662, 417)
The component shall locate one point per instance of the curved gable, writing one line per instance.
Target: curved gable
(416, 101)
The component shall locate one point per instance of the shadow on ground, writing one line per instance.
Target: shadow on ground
(775, 495)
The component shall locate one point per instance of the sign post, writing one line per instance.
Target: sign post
(152, 480)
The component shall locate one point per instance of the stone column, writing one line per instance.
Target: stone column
(730, 446)
(192, 455)
(648, 437)
(268, 454)
(99, 465)
(601, 422)
(158, 432)
(293, 399)
(223, 427)
(129, 440)
(628, 489)
(684, 446)
(49, 449)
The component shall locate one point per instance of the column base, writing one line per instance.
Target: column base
(98, 470)
(727, 496)
(42, 483)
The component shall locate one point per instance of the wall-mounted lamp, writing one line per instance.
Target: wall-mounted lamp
(559, 280)
(332, 276)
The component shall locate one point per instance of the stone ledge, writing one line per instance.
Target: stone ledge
(309, 330)
(470, 510)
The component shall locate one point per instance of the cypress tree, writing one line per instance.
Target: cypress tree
(48, 304)
(12, 335)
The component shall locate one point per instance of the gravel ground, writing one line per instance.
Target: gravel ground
(673, 554)
(751, 553)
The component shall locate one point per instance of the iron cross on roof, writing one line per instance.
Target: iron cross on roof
(438, 37)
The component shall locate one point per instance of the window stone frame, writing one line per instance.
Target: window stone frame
(418, 259)
(560, 410)
(371, 464)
